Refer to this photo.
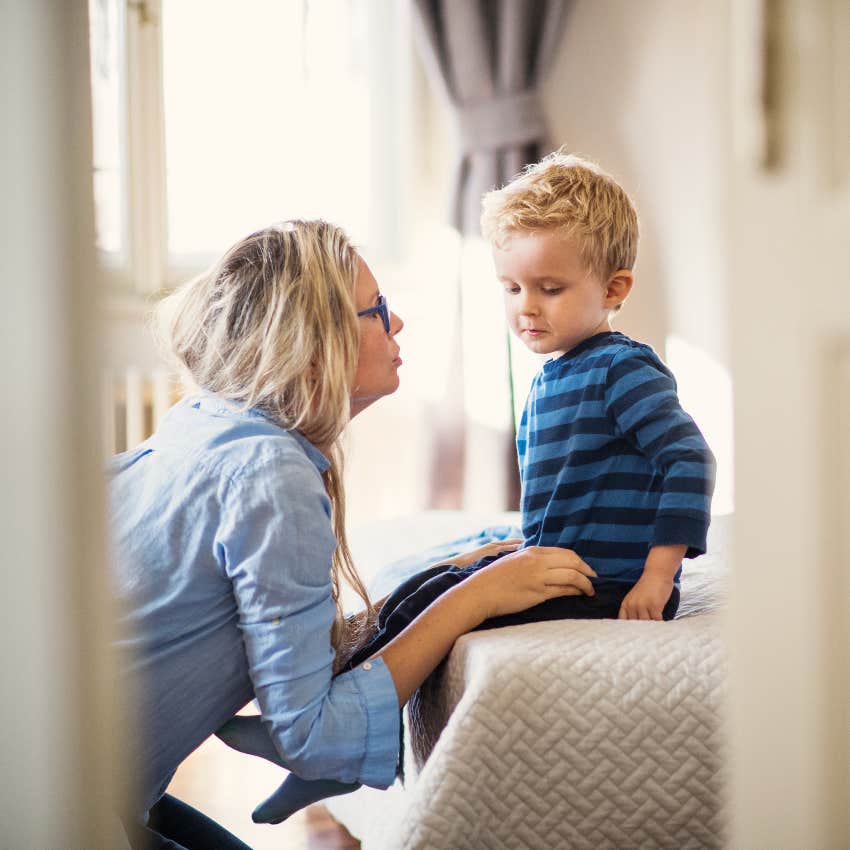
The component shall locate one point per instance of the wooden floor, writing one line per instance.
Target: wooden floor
(226, 785)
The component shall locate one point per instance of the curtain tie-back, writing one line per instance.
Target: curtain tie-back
(499, 122)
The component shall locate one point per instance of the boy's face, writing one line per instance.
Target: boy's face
(552, 300)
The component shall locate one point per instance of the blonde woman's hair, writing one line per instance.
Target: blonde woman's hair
(568, 193)
(272, 325)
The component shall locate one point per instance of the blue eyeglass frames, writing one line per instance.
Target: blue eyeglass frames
(380, 308)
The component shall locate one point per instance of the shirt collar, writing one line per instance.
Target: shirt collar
(218, 406)
(588, 344)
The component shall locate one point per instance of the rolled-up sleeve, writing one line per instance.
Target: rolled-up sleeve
(276, 547)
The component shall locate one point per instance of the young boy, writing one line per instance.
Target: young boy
(611, 466)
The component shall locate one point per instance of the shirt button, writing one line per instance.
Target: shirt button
(367, 665)
(276, 621)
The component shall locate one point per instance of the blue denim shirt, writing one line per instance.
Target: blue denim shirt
(222, 551)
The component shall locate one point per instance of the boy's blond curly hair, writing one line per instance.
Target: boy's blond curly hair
(566, 192)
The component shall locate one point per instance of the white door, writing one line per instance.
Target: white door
(789, 231)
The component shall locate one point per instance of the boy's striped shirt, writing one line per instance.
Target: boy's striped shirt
(610, 463)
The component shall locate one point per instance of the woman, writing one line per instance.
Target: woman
(229, 531)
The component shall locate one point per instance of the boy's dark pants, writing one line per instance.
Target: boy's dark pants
(413, 596)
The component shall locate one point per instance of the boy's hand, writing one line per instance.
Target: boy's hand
(646, 600)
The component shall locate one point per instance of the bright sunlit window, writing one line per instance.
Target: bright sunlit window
(705, 391)
(108, 137)
(269, 120)
(214, 118)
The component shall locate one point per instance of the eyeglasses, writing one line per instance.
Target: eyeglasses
(380, 308)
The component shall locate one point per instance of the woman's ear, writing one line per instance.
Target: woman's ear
(618, 288)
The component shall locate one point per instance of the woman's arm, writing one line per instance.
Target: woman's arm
(275, 544)
(465, 559)
(357, 626)
(512, 583)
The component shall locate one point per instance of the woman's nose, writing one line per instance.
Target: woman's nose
(396, 324)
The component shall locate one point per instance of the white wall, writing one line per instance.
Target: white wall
(641, 89)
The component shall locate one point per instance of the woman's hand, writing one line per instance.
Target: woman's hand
(528, 577)
(511, 544)
(512, 583)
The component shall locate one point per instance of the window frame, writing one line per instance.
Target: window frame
(148, 269)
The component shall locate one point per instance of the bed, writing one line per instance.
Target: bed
(569, 734)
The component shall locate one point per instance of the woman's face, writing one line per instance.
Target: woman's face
(378, 361)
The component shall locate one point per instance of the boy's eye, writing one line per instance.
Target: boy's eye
(512, 289)
(552, 290)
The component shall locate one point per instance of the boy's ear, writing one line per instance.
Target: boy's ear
(618, 288)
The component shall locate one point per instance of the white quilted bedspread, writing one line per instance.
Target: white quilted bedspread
(571, 734)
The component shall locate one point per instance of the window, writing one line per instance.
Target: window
(106, 25)
(239, 114)
(222, 116)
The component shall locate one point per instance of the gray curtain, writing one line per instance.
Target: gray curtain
(488, 57)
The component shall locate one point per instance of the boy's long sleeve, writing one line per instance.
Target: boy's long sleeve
(642, 401)
(610, 463)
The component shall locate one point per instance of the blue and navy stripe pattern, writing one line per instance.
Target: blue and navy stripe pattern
(610, 463)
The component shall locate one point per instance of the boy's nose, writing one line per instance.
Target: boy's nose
(527, 305)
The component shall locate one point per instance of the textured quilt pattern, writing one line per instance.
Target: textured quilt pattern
(576, 734)
(571, 734)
